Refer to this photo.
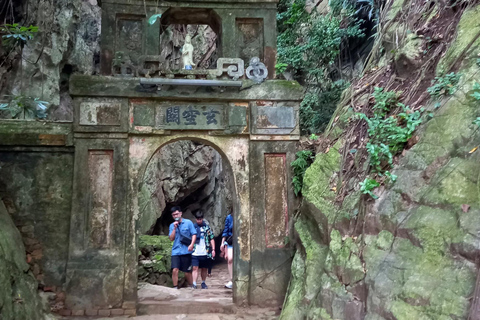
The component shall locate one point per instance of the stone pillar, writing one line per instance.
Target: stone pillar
(96, 267)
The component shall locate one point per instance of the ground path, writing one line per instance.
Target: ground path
(214, 303)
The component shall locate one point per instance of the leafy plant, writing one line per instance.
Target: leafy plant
(444, 86)
(313, 136)
(22, 106)
(384, 100)
(367, 187)
(476, 91)
(300, 165)
(387, 134)
(281, 67)
(16, 34)
(390, 176)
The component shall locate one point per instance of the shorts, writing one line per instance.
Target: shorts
(182, 262)
(200, 261)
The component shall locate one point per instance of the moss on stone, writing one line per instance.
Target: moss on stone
(466, 34)
(157, 242)
(384, 240)
(293, 308)
(316, 254)
(319, 178)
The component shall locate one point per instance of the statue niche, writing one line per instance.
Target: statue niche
(187, 53)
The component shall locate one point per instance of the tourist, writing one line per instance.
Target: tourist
(204, 250)
(227, 246)
(183, 234)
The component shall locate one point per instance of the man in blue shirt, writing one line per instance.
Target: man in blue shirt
(183, 234)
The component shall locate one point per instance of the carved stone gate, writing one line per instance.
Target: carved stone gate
(115, 135)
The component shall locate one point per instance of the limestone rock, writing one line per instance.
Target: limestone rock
(416, 255)
(18, 288)
(188, 174)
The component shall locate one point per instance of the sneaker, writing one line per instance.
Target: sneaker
(204, 285)
(194, 286)
(229, 285)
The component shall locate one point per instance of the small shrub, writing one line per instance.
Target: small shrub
(444, 86)
(390, 176)
(300, 165)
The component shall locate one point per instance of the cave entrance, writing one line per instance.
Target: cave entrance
(193, 176)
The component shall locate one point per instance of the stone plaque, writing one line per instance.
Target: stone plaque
(276, 209)
(99, 113)
(273, 120)
(181, 116)
(100, 164)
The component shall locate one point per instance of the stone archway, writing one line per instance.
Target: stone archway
(235, 153)
(116, 131)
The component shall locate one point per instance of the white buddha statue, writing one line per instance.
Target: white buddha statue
(187, 53)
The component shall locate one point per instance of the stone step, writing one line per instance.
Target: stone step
(198, 306)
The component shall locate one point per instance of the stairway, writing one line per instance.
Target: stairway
(162, 301)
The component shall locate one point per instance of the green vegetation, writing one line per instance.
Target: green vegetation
(15, 34)
(477, 122)
(444, 86)
(387, 134)
(309, 45)
(318, 106)
(368, 185)
(23, 106)
(300, 165)
(281, 67)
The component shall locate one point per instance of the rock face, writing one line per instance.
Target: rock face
(18, 287)
(413, 253)
(188, 174)
(67, 42)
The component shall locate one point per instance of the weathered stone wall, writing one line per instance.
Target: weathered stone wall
(36, 186)
(414, 252)
(19, 299)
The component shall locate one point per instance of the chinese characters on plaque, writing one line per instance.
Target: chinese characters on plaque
(181, 116)
(189, 115)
